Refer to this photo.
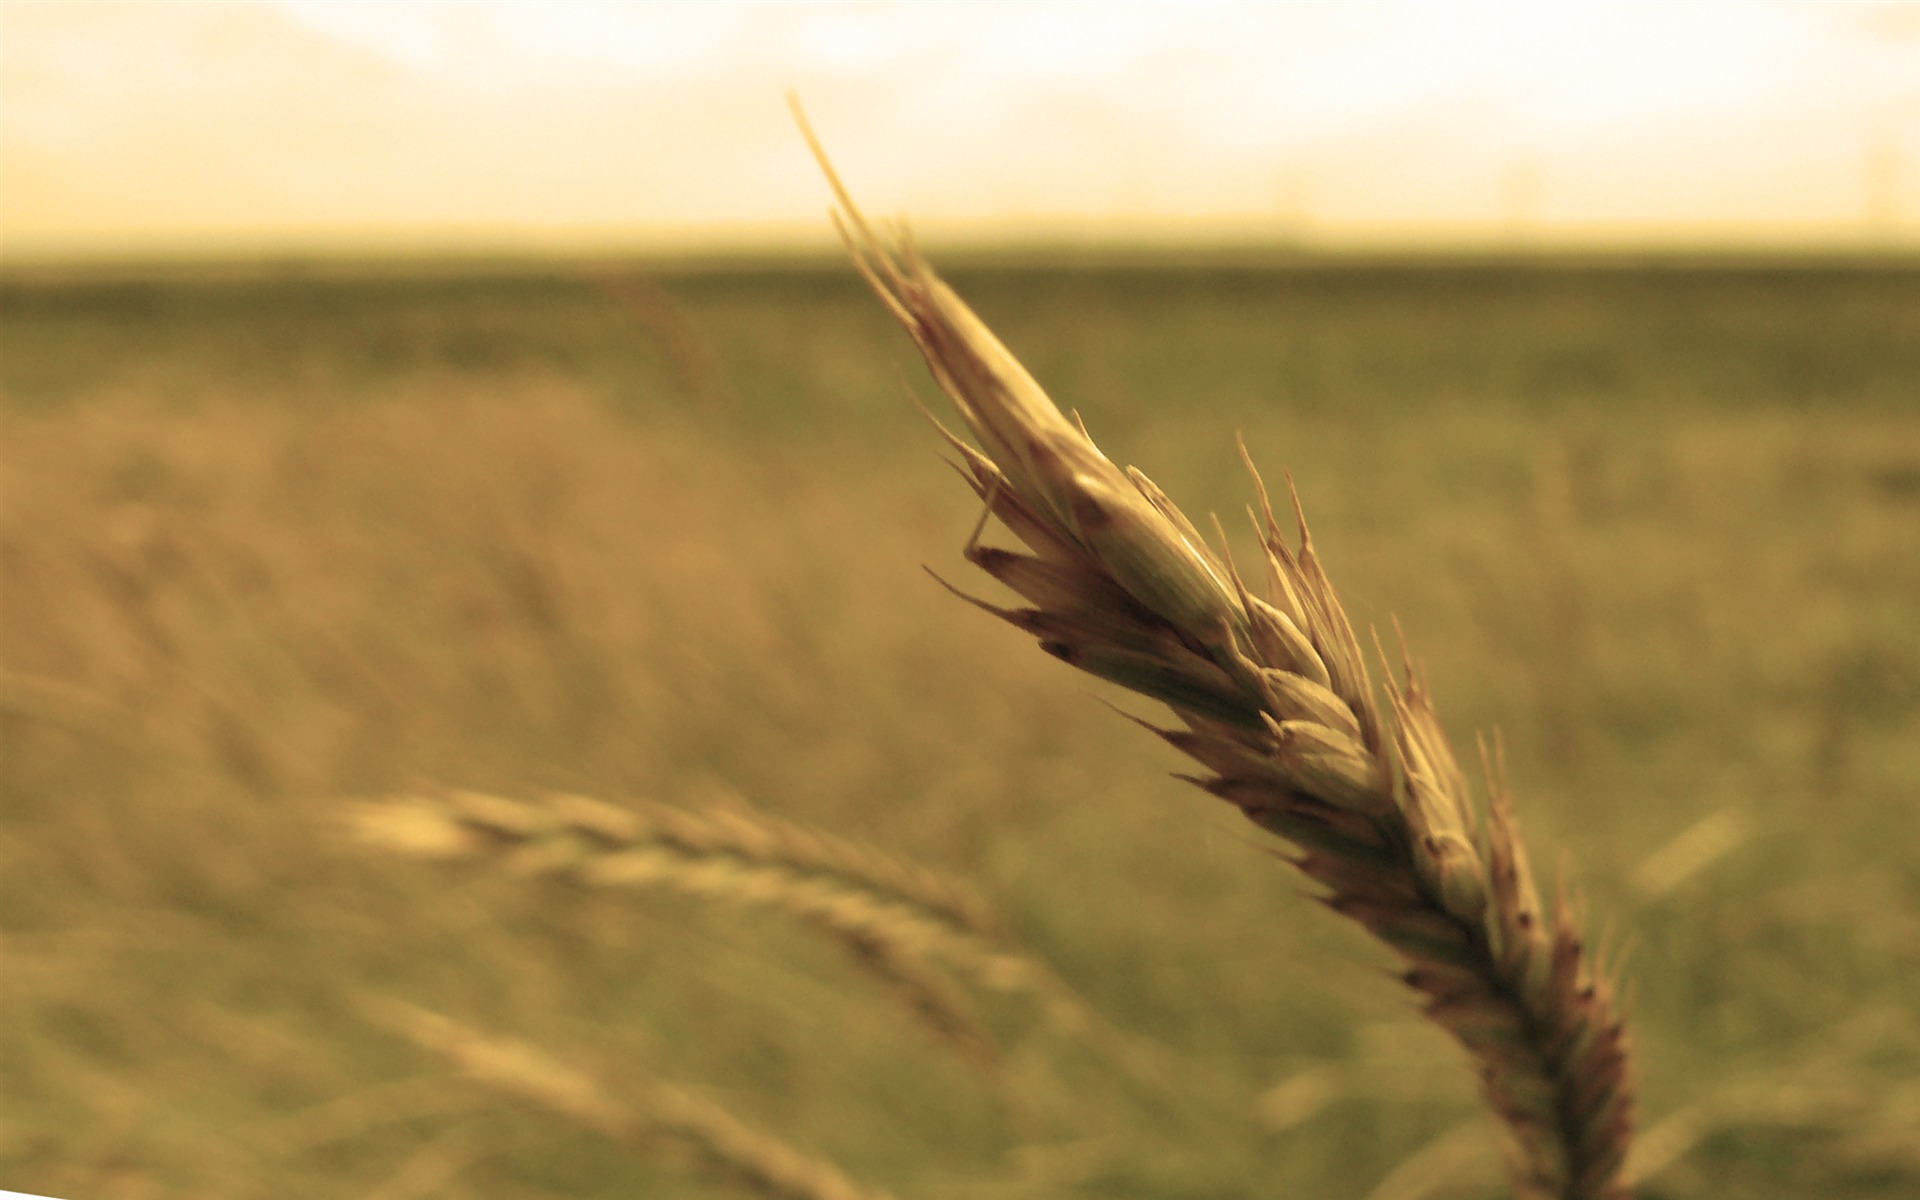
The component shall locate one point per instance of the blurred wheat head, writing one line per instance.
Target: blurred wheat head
(663, 1119)
(902, 923)
(1276, 704)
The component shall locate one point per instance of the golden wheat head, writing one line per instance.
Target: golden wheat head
(1278, 708)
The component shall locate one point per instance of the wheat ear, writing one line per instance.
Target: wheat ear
(662, 1113)
(911, 928)
(896, 919)
(1278, 708)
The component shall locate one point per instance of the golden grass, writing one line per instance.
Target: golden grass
(249, 571)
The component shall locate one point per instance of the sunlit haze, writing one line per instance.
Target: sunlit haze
(316, 126)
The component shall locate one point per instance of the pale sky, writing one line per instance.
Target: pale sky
(289, 126)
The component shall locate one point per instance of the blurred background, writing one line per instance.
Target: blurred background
(302, 127)
(397, 397)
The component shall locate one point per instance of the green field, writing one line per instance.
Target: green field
(270, 541)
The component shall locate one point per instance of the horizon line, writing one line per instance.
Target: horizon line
(344, 262)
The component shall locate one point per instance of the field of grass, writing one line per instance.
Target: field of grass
(272, 542)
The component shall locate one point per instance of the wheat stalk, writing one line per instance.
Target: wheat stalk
(725, 1143)
(1278, 707)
